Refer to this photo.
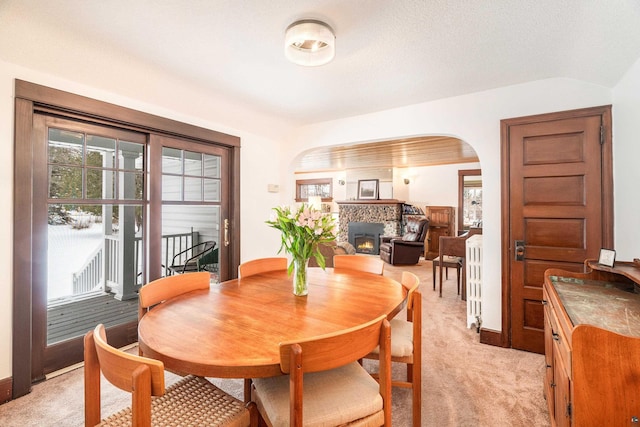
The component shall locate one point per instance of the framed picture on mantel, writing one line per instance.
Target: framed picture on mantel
(368, 189)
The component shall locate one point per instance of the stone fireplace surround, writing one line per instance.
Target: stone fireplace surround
(387, 212)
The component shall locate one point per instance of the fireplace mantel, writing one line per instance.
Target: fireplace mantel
(371, 202)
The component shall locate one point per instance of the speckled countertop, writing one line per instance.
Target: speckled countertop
(602, 304)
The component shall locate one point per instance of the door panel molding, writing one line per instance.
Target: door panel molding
(561, 122)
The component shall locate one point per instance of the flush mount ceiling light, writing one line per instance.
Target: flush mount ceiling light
(309, 42)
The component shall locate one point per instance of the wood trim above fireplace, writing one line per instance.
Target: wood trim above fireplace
(371, 202)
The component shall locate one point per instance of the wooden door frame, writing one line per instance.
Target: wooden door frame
(503, 338)
(31, 98)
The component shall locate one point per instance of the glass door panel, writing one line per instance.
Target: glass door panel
(94, 233)
(89, 280)
(191, 211)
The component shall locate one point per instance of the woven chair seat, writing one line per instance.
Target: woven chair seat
(192, 401)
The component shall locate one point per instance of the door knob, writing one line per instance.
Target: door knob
(519, 250)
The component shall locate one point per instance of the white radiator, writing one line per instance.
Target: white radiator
(474, 281)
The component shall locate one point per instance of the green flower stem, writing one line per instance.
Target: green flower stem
(300, 276)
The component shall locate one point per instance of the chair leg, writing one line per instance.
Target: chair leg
(433, 273)
(464, 280)
(441, 268)
(247, 390)
(416, 398)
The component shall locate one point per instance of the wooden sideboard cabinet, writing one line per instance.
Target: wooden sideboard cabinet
(592, 345)
(441, 223)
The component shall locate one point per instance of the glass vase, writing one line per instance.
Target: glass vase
(300, 283)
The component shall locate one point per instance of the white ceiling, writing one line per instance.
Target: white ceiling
(390, 53)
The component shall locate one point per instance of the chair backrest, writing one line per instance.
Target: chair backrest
(207, 258)
(411, 283)
(140, 376)
(333, 350)
(366, 264)
(330, 351)
(168, 287)
(261, 265)
(455, 246)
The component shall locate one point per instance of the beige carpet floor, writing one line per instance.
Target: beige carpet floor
(465, 383)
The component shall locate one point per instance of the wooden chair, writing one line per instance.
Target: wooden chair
(448, 262)
(192, 398)
(455, 249)
(406, 344)
(336, 390)
(261, 265)
(366, 264)
(162, 289)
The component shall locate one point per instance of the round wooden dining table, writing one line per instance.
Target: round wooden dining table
(233, 330)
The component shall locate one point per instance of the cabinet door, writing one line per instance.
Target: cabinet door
(434, 238)
(441, 223)
(441, 216)
(562, 391)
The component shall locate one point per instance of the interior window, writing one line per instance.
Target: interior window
(469, 199)
(306, 188)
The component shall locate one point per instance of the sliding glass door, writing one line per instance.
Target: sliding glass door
(116, 209)
(191, 198)
(90, 218)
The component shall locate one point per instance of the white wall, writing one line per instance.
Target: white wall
(626, 163)
(435, 185)
(6, 222)
(474, 118)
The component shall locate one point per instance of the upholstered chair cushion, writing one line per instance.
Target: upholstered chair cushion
(401, 338)
(328, 397)
(347, 247)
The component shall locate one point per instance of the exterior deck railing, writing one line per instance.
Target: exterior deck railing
(103, 263)
(90, 276)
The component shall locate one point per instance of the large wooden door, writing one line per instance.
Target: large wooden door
(557, 209)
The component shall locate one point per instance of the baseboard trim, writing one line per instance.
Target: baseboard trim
(495, 338)
(6, 389)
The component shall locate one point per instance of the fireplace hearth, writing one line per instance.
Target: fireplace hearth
(365, 237)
